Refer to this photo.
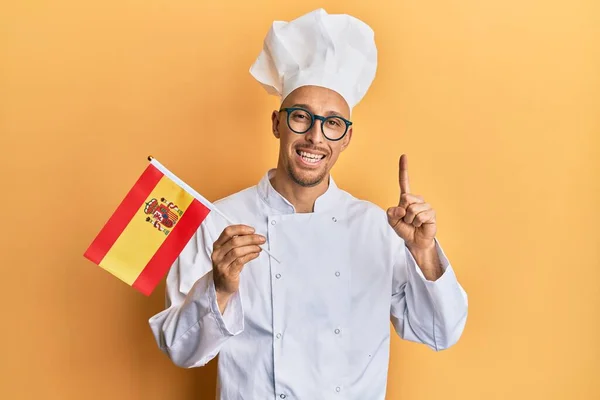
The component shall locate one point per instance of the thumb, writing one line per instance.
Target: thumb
(394, 213)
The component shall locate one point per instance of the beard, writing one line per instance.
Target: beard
(306, 181)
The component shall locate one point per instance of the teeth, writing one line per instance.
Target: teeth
(311, 156)
(311, 160)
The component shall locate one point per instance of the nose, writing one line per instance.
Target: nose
(315, 133)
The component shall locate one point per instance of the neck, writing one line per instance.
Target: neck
(301, 197)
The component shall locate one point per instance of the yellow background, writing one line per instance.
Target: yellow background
(495, 102)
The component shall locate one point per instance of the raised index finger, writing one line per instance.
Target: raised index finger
(403, 175)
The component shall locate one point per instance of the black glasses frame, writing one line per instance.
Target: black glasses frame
(314, 117)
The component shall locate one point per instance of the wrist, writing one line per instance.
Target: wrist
(422, 250)
(222, 299)
(427, 260)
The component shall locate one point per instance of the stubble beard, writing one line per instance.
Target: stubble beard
(306, 182)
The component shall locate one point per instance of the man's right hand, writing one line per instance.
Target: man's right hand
(236, 246)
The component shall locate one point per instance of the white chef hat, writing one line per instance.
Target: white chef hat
(335, 51)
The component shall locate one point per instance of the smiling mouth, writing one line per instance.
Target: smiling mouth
(310, 158)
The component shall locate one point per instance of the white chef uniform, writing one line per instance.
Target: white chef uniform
(317, 325)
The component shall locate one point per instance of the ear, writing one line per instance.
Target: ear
(275, 124)
(346, 139)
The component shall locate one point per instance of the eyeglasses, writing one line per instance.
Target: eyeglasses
(301, 121)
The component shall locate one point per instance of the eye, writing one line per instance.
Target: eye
(300, 115)
(335, 122)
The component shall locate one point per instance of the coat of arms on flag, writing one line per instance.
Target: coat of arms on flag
(149, 229)
(163, 215)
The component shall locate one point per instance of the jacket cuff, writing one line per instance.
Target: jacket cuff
(231, 322)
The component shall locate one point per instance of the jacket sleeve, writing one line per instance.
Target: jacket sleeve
(430, 312)
(191, 330)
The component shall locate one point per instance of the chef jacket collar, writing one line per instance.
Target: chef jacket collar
(267, 192)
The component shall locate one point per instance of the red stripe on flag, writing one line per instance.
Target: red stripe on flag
(124, 213)
(173, 245)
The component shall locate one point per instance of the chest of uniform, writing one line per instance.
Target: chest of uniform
(314, 249)
(330, 266)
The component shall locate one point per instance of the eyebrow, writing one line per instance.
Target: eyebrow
(327, 114)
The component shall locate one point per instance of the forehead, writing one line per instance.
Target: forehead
(319, 100)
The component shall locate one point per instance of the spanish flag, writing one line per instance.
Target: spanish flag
(149, 229)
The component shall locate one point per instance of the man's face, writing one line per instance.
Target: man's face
(298, 152)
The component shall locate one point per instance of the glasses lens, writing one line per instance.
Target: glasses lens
(334, 128)
(299, 121)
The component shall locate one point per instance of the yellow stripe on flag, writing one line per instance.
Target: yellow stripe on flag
(138, 242)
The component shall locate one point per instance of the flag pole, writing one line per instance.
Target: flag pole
(199, 197)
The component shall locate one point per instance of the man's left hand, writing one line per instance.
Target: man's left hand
(413, 219)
